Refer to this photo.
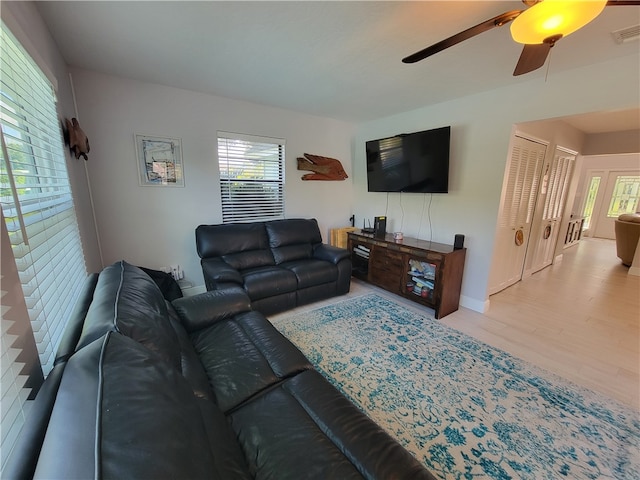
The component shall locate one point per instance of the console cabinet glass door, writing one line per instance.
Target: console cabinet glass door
(360, 253)
(421, 279)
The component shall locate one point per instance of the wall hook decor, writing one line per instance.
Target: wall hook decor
(78, 141)
(324, 168)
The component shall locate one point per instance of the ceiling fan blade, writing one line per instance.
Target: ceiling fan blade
(498, 21)
(622, 3)
(532, 58)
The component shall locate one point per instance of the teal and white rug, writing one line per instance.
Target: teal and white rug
(464, 408)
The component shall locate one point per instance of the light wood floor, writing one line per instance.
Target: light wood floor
(578, 318)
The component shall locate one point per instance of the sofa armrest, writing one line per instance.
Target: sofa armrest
(23, 459)
(216, 271)
(199, 311)
(330, 253)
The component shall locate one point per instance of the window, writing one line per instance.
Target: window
(40, 225)
(624, 199)
(251, 177)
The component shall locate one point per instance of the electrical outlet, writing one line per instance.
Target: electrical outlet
(176, 272)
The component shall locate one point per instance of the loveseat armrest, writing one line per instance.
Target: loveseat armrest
(199, 311)
(330, 253)
(216, 271)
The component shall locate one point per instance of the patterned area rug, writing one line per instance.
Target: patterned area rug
(464, 408)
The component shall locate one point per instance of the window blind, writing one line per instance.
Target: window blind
(251, 177)
(39, 215)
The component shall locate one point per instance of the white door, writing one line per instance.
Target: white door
(620, 194)
(592, 200)
(549, 210)
(515, 217)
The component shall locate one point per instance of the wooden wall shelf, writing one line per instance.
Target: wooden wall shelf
(426, 272)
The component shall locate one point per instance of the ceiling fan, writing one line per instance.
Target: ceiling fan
(538, 27)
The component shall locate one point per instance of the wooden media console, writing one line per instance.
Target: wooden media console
(426, 272)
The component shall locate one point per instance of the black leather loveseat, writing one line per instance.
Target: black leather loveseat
(201, 388)
(281, 264)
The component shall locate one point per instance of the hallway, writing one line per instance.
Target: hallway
(578, 318)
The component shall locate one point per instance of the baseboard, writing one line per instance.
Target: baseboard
(474, 304)
(634, 271)
(190, 291)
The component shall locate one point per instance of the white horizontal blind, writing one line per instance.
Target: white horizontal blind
(36, 201)
(251, 177)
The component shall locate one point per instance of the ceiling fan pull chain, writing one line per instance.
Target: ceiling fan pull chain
(546, 74)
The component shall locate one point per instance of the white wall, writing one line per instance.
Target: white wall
(25, 23)
(481, 130)
(154, 226)
(612, 143)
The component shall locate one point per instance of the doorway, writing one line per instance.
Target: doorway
(609, 193)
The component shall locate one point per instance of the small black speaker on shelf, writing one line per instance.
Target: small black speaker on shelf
(458, 241)
(380, 226)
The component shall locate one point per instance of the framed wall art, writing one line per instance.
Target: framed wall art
(159, 161)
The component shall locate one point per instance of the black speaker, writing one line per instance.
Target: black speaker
(379, 226)
(458, 241)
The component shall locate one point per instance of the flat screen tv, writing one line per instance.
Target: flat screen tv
(412, 162)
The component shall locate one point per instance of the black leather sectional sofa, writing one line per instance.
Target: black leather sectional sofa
(202, 387)
(281, 264)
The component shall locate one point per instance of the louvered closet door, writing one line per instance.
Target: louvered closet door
(549, 211)
(517, 205)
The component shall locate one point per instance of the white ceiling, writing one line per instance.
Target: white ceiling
(337, 59)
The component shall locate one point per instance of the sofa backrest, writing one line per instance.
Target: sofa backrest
(241, 245)
(250, 245)
(128, 301)
(121, 412)
(293, 239)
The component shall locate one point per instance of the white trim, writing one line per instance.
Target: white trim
(86, 173)
(474, 304)
(529, 137)
(250, 138)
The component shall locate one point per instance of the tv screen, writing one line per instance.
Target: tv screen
(413, 162)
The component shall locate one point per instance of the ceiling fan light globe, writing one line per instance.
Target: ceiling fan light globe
(554, 17)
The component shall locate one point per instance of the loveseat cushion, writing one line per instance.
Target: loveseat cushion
(338, 440)
(310, 273)
(128, 301)
(265, 282)
(124, 412)
(245, 355)
(292, 239)
(241, 245)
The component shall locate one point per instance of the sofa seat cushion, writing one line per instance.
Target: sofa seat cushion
(123, 401)
(338, 440)
(310, 273)
(244, 356)
(268, 281)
